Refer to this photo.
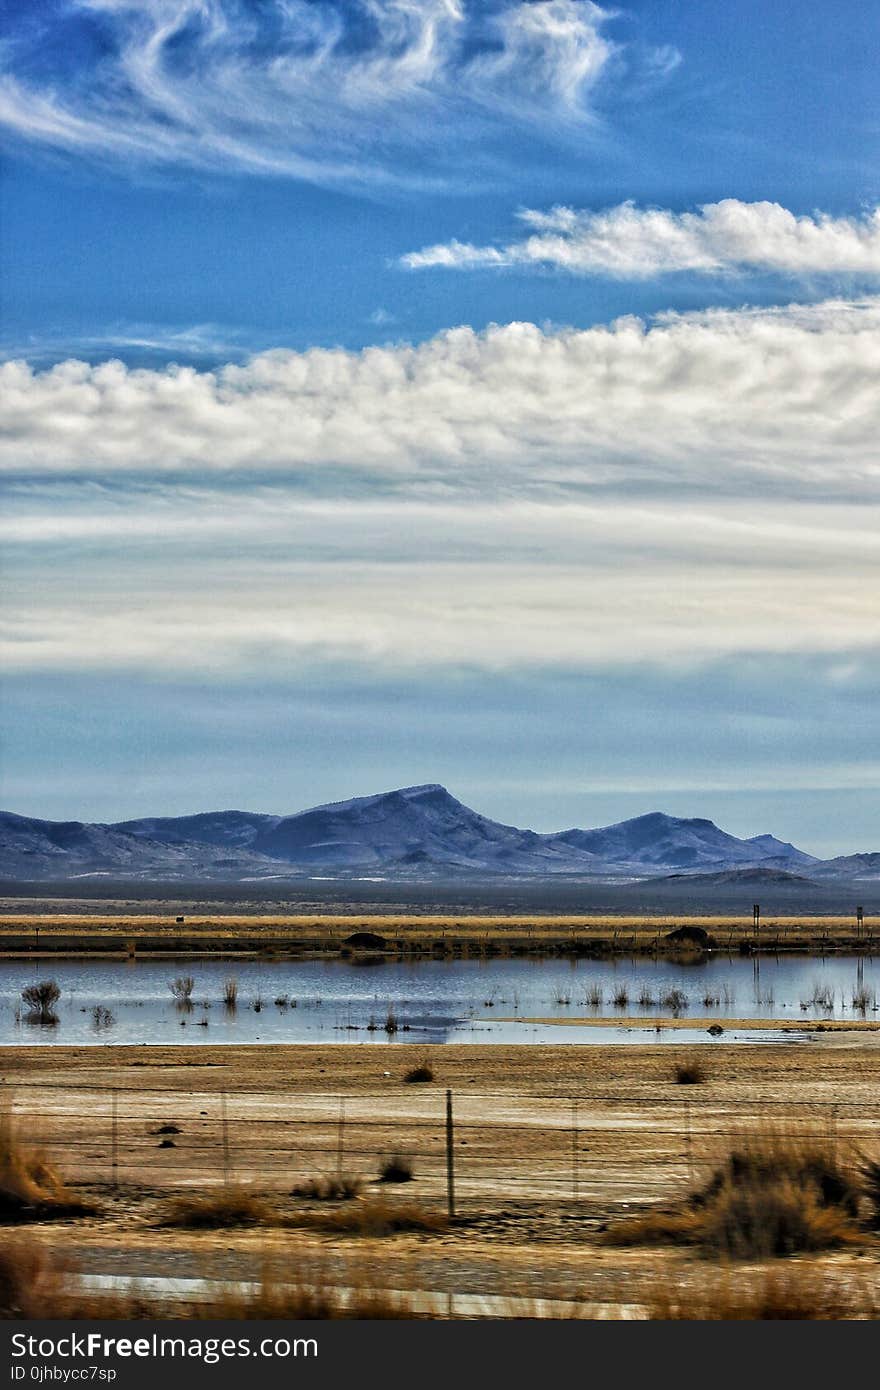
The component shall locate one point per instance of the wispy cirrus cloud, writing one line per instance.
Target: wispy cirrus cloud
(316, 89)
(198, 342)
(633, 243)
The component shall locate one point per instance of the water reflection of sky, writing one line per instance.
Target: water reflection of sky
(473, 1001)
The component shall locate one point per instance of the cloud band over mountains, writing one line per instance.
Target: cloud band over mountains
(691, 490)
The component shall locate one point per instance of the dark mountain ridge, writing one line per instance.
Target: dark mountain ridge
(411, 833)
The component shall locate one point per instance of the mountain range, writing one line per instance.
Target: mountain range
(410, 834)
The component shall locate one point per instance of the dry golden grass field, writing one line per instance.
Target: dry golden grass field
(558, 1154)
(124, 931)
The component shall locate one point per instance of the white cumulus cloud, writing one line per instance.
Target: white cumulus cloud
(786, 398)
(633, 243)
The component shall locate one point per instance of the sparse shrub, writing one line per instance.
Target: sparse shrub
(688, 1074)
(374, 1217)
(822, 997)
(281, 1001)
(40, 1000)
(422, 1071)
(257, 1004)
(620, 998)
(593, 997)
(229, 1206)
(675, 1000)
(230, 995)
(711, 1000)
(182, 989)
(391, 1025)
(341, 1188)
(102, 1017)
(31, 1189)
(396, 1168)
(773, 1195)
(863, 999)
(646, 998)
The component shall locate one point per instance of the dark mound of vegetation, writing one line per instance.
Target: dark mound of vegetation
(690, 936)
(423, 1071)
(688, 1074)
(397, 1168)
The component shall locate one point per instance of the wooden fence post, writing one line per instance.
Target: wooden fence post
(114, 1139)
(224, 1127)
(450, 1158)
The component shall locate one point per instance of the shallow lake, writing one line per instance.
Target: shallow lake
(472, 1001)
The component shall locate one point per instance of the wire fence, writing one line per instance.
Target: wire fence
(466, 1149)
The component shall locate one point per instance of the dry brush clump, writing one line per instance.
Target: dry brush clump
(228, 1206)
(675, 1000)
(31, 1283)
(36, 1283)
(396, 1167)
(421, 1072)
(374, 1216)
(690, 1073)
(869, 1172)
(344, 1187)
(789, 1291)
(774, 1194)
(863, 999)
(31, 1188)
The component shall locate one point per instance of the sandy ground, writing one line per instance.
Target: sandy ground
(550, 1145)
(864, 1028)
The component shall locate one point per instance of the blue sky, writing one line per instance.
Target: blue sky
(422, 390)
